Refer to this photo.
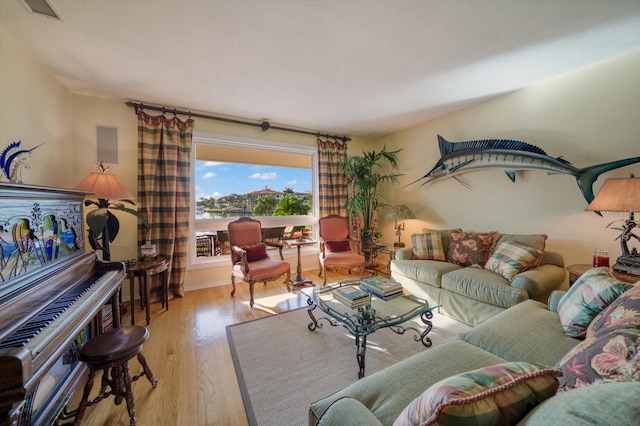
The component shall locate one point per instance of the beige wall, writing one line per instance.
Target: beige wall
(35, 108)
(590, 116)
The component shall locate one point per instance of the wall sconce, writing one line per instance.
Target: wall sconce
(400, 212)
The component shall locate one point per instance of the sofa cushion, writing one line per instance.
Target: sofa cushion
(484, 286)
(428, 246)
(468, 248)
(622, 313)
(600, 404)
(587, 297)
(536, 241)
(510, 337)
(498, 394)
(509, 258)
(425, 271)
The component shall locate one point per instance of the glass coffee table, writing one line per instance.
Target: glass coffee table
(362, 321)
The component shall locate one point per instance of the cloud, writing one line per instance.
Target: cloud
(213, 163)
(209, 175)
(264, 176)
(292, 182)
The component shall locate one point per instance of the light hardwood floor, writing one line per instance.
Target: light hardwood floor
(189, 355)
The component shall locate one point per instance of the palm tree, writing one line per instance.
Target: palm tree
(365, 173)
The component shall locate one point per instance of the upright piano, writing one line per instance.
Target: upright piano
(53, 298)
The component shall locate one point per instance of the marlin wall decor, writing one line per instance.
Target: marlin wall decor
(512, 156)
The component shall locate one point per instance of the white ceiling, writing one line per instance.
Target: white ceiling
(349, 67)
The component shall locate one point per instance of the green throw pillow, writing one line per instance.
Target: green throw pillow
(510, 258)
(587, 297)
(428, 246)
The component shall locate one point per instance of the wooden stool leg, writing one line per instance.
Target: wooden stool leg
(85, 397)
(147, 371)
(128, 394)
(117, 384)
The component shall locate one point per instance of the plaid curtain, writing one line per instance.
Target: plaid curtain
(164, 192)
(332, 183)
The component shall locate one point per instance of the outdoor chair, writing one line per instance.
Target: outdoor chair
(249, 256)
(335, 246)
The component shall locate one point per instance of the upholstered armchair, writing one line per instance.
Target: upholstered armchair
(335, 246)
(249, 256)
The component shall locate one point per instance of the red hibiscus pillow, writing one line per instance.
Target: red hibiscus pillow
(468, 248)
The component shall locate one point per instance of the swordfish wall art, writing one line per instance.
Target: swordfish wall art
(512, 156)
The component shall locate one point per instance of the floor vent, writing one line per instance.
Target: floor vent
(42, 7)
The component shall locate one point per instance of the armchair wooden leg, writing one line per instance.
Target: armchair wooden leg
(233, 284)
(251, 284)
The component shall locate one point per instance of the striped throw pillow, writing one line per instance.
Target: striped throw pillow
(498, 394)
(510, 258)
(428, 246)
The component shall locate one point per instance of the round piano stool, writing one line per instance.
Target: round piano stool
(111, 352)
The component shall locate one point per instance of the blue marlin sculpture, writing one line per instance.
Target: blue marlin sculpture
(12, 159)
(510, 155)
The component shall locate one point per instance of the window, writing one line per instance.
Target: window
(232, 177)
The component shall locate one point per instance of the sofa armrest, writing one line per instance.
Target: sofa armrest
(554, 299)
(346, 412)
(552, 258)
(540, 281)
(405, 253)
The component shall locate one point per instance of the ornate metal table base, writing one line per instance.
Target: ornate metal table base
(364, 319)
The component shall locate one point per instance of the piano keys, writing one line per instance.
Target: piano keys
(52, 296)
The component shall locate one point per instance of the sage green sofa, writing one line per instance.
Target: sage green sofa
(473, 295)
(528, 332)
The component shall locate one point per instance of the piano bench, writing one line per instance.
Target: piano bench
(111, 352)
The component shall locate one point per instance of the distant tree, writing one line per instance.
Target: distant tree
(291, 205)
(207, 203)
(287, 190)
(265, 206)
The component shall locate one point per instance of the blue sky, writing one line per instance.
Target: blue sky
(216, 179)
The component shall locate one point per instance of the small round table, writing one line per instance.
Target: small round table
(144, 270)
(299, 279)
(580, 268)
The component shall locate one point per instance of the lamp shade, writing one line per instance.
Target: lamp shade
(400, 212)
(618, 195)
(104, 186)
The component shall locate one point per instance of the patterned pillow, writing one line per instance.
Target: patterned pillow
(622, 313)
(613, 356)
(498, 394)
(428, 246)
(468, 248)
(338, 246)
(256, 252)
(587, 297)
(537, 241)
(510, 258)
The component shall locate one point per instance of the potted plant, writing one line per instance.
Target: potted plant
(365, 173)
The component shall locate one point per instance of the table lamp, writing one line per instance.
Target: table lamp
(622, 195)
(104, 225)
(400, 212)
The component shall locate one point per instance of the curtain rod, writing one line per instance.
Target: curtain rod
(265, 125)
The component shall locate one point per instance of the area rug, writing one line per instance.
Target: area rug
(282, 367)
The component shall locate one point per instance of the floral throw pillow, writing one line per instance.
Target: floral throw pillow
(611, 349)
(510, 258)
(468, 248)
(428, 246)
(498, 394)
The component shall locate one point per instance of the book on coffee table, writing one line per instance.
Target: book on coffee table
(352, 296)
(380, 286)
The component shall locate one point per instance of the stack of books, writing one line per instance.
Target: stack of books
(381, 287)
(353, 297)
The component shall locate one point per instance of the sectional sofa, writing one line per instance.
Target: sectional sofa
(587, 349)
(474, 276)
